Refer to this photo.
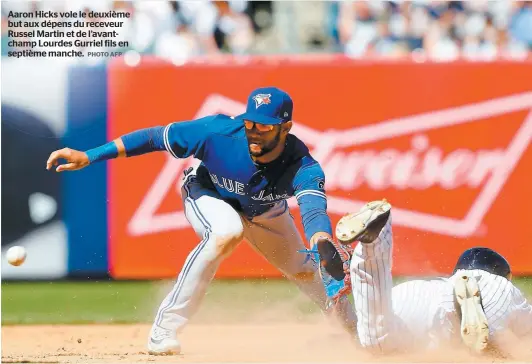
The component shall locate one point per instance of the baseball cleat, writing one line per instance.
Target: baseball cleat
(365, 225)
(163, 342)
(474, 324)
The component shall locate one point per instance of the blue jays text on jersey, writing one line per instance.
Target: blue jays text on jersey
(220, 142)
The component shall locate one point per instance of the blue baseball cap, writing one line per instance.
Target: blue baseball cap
(268, 105)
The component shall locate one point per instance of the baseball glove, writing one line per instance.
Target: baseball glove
(334, 257)
(333, 260)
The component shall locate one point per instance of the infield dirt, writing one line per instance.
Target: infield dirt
(262, 342)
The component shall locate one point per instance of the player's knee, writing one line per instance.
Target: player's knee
(228, 238)
(230, 232)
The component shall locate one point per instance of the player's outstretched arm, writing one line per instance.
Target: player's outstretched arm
(180, 139)
(136, 143)
(309, 190)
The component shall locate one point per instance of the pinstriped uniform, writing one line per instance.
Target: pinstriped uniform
(421, 314)
(504, 304)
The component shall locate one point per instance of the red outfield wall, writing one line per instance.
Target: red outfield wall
(447, 144)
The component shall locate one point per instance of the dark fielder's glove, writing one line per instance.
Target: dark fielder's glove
(334, 257)
(333, 260)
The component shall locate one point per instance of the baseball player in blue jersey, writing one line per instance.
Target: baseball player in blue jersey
(250, 165)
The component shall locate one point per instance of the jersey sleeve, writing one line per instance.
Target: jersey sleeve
(309, 190)
(521, 314)
(185, 138)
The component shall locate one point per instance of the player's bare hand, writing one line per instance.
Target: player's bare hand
(74, 160)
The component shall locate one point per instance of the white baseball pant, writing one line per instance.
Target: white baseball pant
(273, 235)
(421, 314)
(402, 318)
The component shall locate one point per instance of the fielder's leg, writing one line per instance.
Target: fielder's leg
(371, 276)
(221, 229)
(275, 236)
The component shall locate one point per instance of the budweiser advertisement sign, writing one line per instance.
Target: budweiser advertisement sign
(447, 144)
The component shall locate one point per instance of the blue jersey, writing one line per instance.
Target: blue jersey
(220, 142)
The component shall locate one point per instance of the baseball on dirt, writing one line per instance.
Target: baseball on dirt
(16, 255)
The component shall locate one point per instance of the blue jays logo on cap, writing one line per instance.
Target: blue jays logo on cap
(261, 99)
(268, 105)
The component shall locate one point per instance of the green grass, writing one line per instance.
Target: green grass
(74, 302)
(130, 302)
(133, 301)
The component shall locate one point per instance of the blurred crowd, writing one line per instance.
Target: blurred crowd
(178, 30)
(439, 29)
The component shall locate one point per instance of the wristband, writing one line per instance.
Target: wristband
(103, 152)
